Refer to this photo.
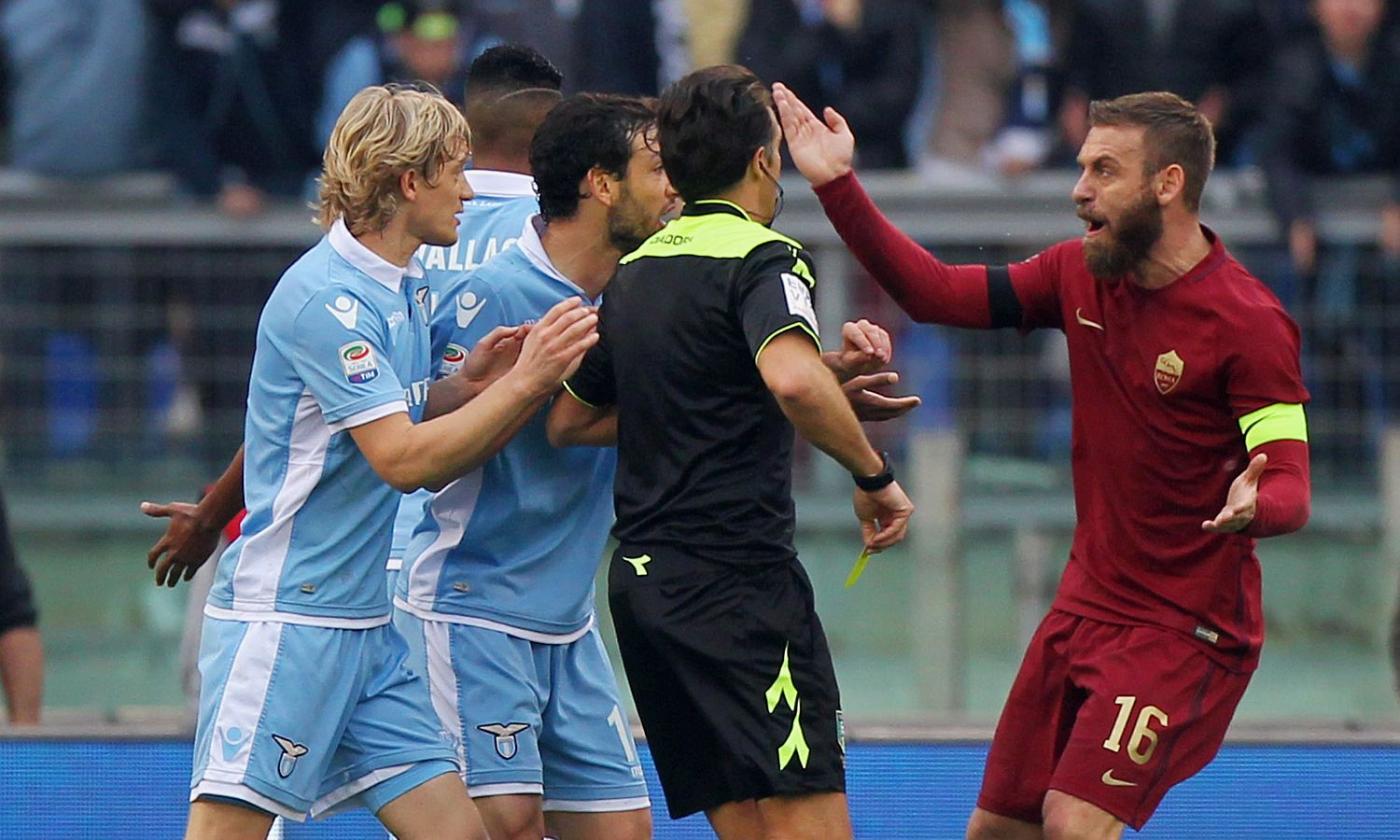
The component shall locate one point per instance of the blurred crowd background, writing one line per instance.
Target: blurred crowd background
(156, 157)
(232, 100)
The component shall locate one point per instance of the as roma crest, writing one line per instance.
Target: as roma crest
(1168, 372)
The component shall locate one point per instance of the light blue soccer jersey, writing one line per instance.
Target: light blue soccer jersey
(490, 224)
(514, 545)
(342, 341)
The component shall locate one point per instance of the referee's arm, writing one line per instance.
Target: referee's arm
(572, 422)
(808, 394)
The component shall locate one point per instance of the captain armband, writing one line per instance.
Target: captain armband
(1280, 421)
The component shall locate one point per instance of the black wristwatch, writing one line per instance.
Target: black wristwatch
(879, 481)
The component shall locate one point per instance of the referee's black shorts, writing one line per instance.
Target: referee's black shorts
(16, 600)
(732, 677)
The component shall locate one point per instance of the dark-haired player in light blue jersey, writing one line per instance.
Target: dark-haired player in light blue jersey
(498, 579)
(510, 88)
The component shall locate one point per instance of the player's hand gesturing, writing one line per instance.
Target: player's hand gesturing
(493, 355)
(1240, 503)
(871, 405)
(865, 348)
(185, 545)
(822, 151)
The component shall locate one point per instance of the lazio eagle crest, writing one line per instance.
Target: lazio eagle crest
(505, 733)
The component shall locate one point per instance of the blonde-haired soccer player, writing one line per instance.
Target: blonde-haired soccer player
(306, 705)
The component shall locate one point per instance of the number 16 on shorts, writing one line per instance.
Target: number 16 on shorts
(1143, 741)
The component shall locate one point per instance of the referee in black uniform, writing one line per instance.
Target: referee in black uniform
(709, 356)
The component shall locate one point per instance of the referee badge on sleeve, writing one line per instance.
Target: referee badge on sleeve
(799, 300)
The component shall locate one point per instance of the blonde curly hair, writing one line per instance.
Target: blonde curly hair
(385, 131)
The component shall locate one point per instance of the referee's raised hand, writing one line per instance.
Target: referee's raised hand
(556, 344)
(884, 515)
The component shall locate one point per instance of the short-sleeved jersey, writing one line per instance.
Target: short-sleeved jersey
(515, 544)
(342, 341)
(704, 451)
(489, 224)
(1160, 381)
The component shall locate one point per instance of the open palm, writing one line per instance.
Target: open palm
(822, 150)
(1241, 501)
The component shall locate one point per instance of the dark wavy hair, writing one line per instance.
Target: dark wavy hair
(583, 131)
(708, 125)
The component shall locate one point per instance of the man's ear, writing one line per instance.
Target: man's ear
(410, 182)
(758, 162)
(1169, 183)
(600, 184)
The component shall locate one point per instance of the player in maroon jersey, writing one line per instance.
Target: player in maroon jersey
(1189, 442)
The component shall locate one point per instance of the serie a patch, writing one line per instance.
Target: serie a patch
(453, 358)
(799, 300)
(358, 362)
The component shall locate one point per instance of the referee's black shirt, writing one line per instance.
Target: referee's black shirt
(704, 452)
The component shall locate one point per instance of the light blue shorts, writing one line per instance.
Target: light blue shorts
(532, 717)
(299, 720)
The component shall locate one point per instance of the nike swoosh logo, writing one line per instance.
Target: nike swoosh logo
(639, 563)
(1079, 316)
(1108, 779)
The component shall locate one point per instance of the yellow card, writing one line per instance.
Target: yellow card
(858, 569)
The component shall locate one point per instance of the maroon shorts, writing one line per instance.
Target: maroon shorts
(1112, 714)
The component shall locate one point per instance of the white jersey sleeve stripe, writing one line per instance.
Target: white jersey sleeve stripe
(369, 415)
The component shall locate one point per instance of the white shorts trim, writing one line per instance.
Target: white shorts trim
(487, 624)
(597, 806)
(506, 789)
(225, 614)
(243, 793)
(328, 802)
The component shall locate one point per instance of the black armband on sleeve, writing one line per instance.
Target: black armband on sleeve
(1002, 303)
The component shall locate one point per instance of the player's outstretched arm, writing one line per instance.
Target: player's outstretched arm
(433, 453)
(193, 531)
(929, 290)
(810, 397)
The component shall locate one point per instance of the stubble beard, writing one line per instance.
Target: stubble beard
(627, 228)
